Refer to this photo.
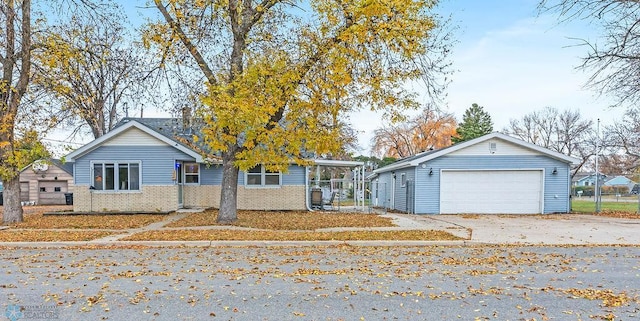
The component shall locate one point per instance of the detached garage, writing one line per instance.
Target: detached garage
(45, 182)
(492, 174)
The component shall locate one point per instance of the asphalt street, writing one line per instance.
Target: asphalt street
(340, 282)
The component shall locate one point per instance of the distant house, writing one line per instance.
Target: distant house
(577, 177)
(45, 182)
(589, 180)
(623, 184)
(492, 174)
(154, 165)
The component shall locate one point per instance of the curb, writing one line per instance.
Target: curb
(231, 243)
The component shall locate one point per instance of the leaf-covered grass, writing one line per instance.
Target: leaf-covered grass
(288, 220)
(93, 221)
(619, 214)
(235, 235)
(50, 236)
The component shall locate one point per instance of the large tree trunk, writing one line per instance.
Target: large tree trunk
(10, 96)
(12, 209)
(228, 212)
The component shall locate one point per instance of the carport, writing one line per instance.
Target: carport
(343, 177)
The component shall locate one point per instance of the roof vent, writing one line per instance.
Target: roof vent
(492, 148)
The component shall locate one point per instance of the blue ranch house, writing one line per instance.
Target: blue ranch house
(152, 165)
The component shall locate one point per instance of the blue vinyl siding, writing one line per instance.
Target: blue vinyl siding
(556, 187)
(157, 162)
(400, 192)
(211, 175)
(294, 176)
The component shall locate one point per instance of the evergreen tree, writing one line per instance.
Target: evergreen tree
(475, 123)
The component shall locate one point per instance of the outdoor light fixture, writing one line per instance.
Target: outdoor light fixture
(555, 171)
(430, 171)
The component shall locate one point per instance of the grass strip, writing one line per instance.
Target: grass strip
(235, 235)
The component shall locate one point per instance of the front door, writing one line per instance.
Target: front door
(179, 180)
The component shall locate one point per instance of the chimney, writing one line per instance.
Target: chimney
(186, 117)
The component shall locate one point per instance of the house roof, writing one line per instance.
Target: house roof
(619, 180)
(67, 167)
(159, 128)
(176, 133)
(580, 175)
(429, 155)
(590, 176)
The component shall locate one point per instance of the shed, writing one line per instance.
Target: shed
(492, 174)
(45, 182)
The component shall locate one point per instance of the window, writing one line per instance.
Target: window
(493, 147)
(403, 179)
(191, 173)
(43, 189)
(254, 176)
(57, 189)
(115, 176)
(259, 176)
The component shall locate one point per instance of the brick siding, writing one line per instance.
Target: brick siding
(151, 199)
(165, 198)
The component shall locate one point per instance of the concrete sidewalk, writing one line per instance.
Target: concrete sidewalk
(556, 229)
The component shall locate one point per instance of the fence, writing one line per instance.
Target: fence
(608, 202)
(614, 192)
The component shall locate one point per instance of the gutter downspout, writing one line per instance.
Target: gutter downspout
(307, 196)
(569, 209)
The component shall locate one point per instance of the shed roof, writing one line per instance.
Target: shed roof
(65, 166)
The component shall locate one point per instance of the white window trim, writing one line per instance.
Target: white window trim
(184, 173)
(403, 179)
(116, 175)
(263, 175)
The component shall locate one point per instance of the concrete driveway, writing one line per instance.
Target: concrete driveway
(538, 229)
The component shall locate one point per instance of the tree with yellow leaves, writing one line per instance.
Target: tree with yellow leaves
(279, 76)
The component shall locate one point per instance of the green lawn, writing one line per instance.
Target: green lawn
(589, 206)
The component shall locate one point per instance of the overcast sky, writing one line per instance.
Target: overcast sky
(509, 60)
(512, 61)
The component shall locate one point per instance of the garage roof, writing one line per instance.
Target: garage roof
(429, 155)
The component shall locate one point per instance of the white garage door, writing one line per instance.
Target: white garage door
(491, 191)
